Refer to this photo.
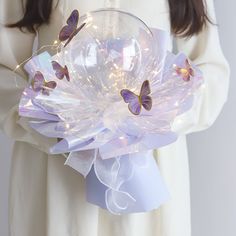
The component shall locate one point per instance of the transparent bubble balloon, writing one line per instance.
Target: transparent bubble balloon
(113, 51)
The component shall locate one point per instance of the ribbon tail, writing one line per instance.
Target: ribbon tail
(82, 161)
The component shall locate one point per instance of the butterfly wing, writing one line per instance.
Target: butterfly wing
(66, 32)
(189, 68)
(145, 99)
(191, 71)
(48, 86)
(186, 76)
(145, 89)
(146, 102)
(128, 96)
(38, 81)
(74, 33)
(184, 73)
(73, 18)
(71, 26)
(133, 100)
(177, 70)
(59, 70)
(66, 72)
(187, 64)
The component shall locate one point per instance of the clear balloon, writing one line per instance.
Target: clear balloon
(115, 50)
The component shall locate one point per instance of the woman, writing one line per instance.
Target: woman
(48, 198)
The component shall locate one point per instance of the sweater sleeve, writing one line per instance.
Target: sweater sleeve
(15, 47)
(205, 51)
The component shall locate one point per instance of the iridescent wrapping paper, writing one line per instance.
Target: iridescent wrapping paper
(105, 142)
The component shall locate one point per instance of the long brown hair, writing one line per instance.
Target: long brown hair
(187, 17)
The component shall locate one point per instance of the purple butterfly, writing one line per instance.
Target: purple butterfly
(61, 71)
(187, 72)
(39, 84)
(137, 101)
(70, 30)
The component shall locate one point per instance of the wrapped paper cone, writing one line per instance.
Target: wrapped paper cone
(146, 188)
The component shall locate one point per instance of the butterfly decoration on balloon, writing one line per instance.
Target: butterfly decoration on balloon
(108, 97)
(40, 85)
(60, 71)
(69, 31)
(136, 102)
(186, 72)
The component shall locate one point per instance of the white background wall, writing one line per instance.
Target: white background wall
(212, 154)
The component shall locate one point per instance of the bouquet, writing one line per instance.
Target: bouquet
(109, 95)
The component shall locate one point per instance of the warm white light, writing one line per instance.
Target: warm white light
(177, 104)
(179, 121)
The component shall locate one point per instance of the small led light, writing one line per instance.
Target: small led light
(180, 121)
(55, 42)
(177, 104)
